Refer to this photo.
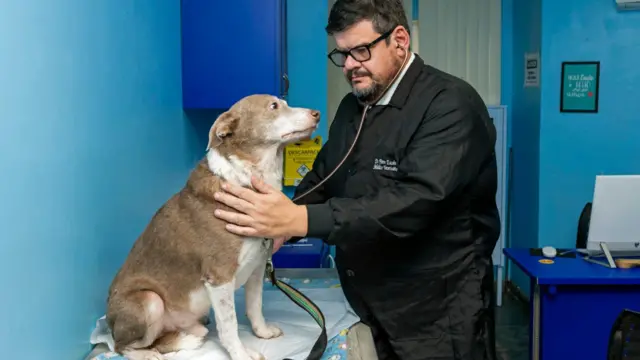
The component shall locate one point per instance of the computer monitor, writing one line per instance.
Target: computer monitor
(615, 215)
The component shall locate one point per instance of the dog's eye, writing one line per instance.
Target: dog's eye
(273, 106)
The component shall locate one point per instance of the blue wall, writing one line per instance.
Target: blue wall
(92, 141)
(574, 148)
(522, 34)
(307, 67)
(557, 155)
(307, 59)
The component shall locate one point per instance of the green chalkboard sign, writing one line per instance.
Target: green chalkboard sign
(580, 86)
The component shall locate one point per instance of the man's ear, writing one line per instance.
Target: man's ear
(223, 127)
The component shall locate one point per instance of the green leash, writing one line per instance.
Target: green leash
(305, 303)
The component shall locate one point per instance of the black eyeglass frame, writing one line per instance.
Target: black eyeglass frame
(367, 47)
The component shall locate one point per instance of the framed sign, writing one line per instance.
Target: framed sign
(579, 89)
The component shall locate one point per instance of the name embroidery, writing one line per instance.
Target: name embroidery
(386, 165)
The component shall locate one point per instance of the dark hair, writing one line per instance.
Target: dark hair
(384, 14)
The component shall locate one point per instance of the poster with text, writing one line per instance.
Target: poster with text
(580, 85)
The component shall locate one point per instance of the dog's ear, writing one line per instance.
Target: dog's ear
(224, 126)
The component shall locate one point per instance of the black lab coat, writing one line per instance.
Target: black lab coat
(413, 215)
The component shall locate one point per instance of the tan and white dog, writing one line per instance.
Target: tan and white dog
(186, 263)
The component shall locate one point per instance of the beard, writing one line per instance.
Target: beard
(378, 85)
(369, 93)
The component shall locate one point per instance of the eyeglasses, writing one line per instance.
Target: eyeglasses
(359, 53)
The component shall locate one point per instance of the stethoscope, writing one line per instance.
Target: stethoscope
(364, 116)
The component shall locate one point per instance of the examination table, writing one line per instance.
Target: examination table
(348, 339)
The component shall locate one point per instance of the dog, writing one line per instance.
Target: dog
(185, 263)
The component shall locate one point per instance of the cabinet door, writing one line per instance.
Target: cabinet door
(231, 49)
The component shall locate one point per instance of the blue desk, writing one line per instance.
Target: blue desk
(574, 304)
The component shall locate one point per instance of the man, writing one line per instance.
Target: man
(412, 211)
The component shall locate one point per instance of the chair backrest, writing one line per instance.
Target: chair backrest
(624, 340)
(583, 226)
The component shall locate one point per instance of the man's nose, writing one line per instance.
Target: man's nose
(350, 63)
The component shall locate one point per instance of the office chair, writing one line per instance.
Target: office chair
(624, 340)
(583, 226)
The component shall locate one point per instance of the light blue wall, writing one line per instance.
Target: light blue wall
(557, 155)
(307, 67)
(522, 34)
(574, 148)
(307, 58)
(92, 141)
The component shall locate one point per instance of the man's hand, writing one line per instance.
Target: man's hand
(265, 212)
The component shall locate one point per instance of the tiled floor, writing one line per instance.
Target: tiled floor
(512, 329)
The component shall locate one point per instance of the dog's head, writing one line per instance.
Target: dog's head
(259, 121)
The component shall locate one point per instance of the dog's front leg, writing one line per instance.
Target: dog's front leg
(224, 310)
(253, 297)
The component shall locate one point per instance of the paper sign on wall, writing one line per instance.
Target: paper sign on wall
(299, 158)
(532, 69)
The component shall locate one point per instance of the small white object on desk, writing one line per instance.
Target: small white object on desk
(549, 252)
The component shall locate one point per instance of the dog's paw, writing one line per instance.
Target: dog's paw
(143, 355)
(189, 342)
(254, 355)
(198, 331)
(267, 332)
(245, 353)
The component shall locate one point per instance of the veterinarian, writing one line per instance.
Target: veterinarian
(412, 211)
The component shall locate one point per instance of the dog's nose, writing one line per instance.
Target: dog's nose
(315, 114)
